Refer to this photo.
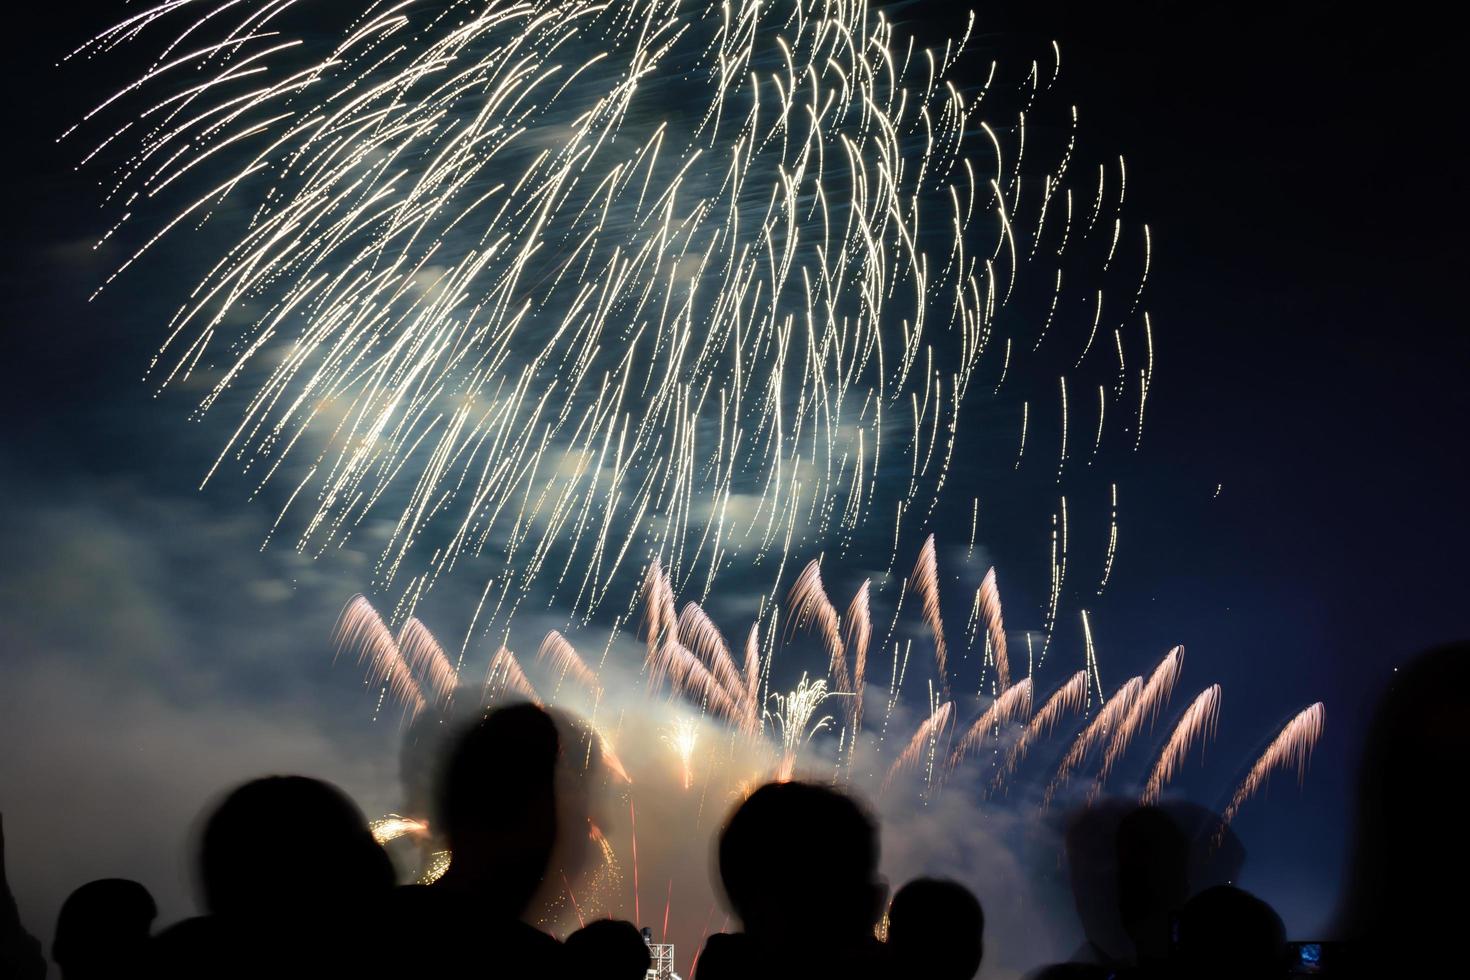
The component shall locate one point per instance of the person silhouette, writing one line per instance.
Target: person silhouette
(798, 864)
(289, 873)
(1225, 933)
(608, 949)
(497, 810)
(102, 930)
(20, 952)
(1131, 868)
(1408, 846)
(1153, 881)
(936, 929)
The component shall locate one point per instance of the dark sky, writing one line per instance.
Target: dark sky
(1297, 166)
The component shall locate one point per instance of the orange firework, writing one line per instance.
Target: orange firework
(927, 734)
(564, 660)
(424, 654)
(1293, 747)
(1111, 715)
(1197, 724)
(925, 581)
(811, 607)
(505, 674)
(988, 599)
(1009, 706)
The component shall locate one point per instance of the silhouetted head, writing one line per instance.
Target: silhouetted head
(497, 806)
(936, 929)
(579, 780)
(289, 845)
(609, 949)
(799, 865)
(1408, 839)
(103, 929)
(1153, 878)
(1224, 933)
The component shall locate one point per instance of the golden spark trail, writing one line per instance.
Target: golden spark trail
(925, 582)
(1292, 748)
(1197, 724)
(1013, 704)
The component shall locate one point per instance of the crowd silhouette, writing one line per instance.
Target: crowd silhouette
(1151, 883)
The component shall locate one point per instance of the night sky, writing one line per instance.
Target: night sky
(1297, 168)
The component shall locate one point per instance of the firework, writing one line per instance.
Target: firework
(703, 638)
(925, 581)
(793, 720)
(1009, 706)
(1150, 701)
(752, 681)
(426, 657)
(1196, 725)
(859, 634)
(1291, 748)
(923, 742)
(1066, 698)
(563, 658)
(682, 737)
(392, 827)
(360, 626)
(486, 283)
(505, 675)
(987, 599)
(811, 607)
(1108, 718)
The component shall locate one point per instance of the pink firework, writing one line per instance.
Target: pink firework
(563, 658)
(361, 627)
(1150, 701)
(988, 599)
(751, 724)
(810, 607)
(1066, 698)
(928, 734)
(1011, 705)
(925, 581)
(1196, 725)
(1111, 715)
(424, 654)
(505, 674)
(703, 638)
(1292, 748)
(859, 635)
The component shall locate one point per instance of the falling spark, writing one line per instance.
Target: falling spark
(486, 288)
